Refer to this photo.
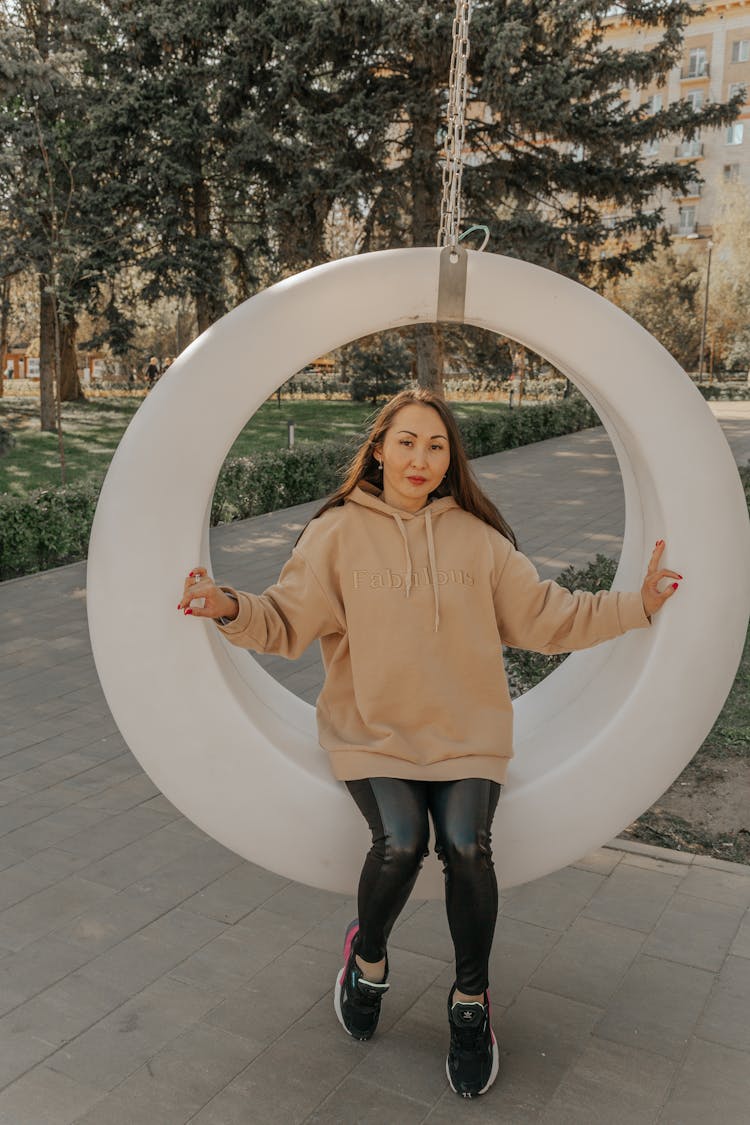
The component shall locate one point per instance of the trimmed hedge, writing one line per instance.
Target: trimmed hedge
(45, 529)
(51, 528)
(714, 391)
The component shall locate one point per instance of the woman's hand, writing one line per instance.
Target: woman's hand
(215, 602)
(652, 599)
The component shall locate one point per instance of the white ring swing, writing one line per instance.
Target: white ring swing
(596, 743)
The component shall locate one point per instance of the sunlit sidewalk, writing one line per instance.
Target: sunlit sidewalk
(150, 977)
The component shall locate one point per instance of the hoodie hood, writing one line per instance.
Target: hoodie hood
(369, 496)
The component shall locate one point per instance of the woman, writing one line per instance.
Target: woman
(410, 577)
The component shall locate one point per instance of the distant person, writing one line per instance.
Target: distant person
(166, 365)
(152, 371)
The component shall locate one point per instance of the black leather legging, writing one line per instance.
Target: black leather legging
(462, 812)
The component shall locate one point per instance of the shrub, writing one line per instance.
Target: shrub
(50, 528)
(526, 669)
(45, 529)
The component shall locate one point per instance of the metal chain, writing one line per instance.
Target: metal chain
(450, 207)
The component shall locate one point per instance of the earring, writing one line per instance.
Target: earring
(380, 466)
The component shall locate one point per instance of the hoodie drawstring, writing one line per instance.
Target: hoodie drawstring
(431, 556)
(402, 529)
(433, 566)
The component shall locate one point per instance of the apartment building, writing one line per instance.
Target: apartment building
(715, 63)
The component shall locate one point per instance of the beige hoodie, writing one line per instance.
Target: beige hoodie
(412, 610)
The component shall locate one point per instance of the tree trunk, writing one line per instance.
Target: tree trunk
(4, 325)
(47, 412)
(207, 304)
(70, 385)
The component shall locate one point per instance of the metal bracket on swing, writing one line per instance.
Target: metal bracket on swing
(451, 301)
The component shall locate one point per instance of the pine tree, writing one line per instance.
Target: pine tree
(554, 147)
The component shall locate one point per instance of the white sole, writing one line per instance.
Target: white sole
(337, 999)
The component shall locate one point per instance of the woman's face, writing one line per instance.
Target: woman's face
(416, 454)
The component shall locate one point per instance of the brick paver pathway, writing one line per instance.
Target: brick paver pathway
(150, 977)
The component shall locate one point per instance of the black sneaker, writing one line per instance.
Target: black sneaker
(473, 1057)
(357, 1000)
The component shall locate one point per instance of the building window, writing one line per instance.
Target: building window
(689, 149)
(737, 88)
(731, 173)
(687, 220)
(734, 133)
(697, 63)
(651, 148)
(741, 50)
(695, 99)
(653, 104)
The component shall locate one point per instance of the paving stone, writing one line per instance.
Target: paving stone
(137, 860)
(556, 900)
(713, 1085)
(234, 895)
(611, 1083)
(20, 881)
(694, 931)
(45, 1098)
(425, 931)
(19, 813)
(718, 886)
(308, 904)
(53, 829)
(127, 794)
(142, 1100)
(19, 1052)
(589, 961)
(230, 960)
(314, 1056)
(47, 910)
(633, 898)
(657, 1006)
(726, 1019)
(113, 920)
(174, 882)
(113, 832)
(374, 1105)
(277, 996)
(123, 1041)
(202, 1061)
(602, 861)
(741, 943)
(65, 1009)
(145, 956)
(517, 951)
(35, 968)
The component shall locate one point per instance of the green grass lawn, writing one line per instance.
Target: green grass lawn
(92, 430)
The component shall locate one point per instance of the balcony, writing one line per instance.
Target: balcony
(689, 150)
(695, 70)
(692, 190)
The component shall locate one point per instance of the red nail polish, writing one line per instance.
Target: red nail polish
(674, 587)
(188, 611)
(679, 576)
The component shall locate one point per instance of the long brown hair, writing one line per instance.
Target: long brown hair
(459, 482)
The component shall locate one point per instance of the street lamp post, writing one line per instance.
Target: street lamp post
(705, 312)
